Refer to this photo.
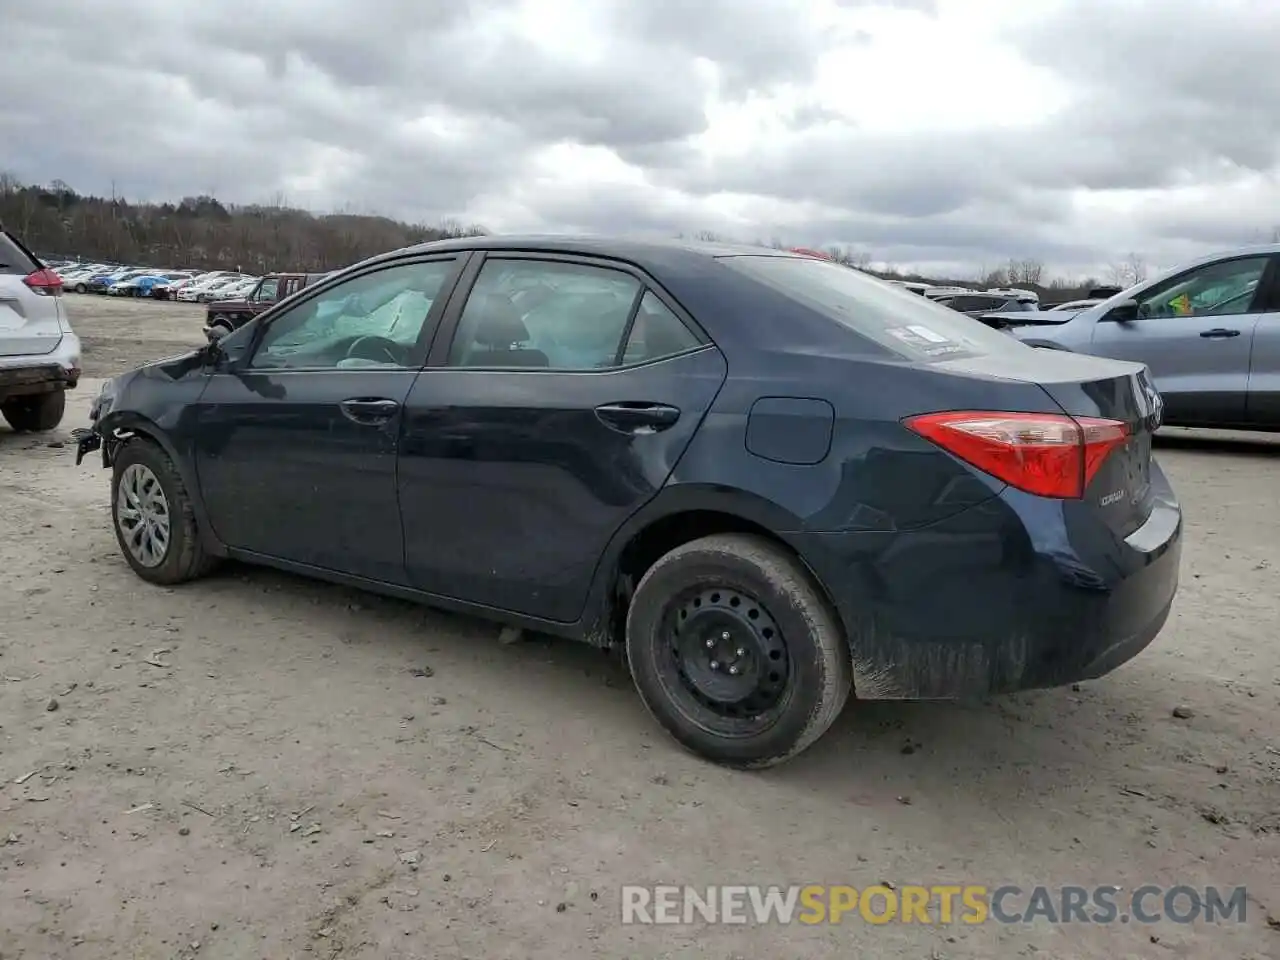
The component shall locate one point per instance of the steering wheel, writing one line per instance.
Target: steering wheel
(388, 348)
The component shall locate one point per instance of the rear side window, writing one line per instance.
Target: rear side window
(544, 313)
(913, 327)
(14, 259)
(656, 333)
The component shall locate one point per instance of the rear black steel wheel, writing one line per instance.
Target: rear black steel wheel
(735, 651)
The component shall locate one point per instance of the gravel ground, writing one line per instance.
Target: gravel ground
(256, 765)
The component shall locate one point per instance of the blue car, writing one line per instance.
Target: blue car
(104, 281)
(141, 286)
(772, 480)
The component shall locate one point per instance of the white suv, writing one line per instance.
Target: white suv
(39, 353)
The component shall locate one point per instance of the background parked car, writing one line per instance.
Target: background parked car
(77, 277)
(234, 307)
(103, 282)
(139, 286)
(1209, 330)
(976, 304)
(205, 287)
(39, 353)
(170, 289)
(1076, 304)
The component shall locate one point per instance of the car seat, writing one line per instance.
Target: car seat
(497, 337)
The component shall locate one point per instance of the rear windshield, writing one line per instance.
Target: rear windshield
(14, 258)
(911, 326)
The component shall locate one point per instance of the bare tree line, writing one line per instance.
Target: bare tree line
(201, 232)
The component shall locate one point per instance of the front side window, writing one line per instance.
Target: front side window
(373, 320)
(544, 313)
(1216, 289)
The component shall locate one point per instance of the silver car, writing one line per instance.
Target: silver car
(1208, 330)
(39, 354)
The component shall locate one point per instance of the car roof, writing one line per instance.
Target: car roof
(638, 250)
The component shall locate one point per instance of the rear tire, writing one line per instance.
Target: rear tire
(735, 651)
(79, 288)
(153, 516)
(35, 413)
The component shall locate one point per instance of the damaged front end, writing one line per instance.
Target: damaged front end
(91, 439)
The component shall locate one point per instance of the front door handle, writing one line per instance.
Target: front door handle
(637, 416)
(1219, 333)
(369, 410)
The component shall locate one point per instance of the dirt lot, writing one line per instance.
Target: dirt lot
(260, 766)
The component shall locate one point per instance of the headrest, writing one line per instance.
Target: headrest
(498, 322)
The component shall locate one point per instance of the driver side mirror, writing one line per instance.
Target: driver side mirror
(1126, 311)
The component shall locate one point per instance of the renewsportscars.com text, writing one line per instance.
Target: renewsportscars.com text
(930, 905)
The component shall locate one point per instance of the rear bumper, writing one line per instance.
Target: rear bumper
(1016, 594)
(57, 370)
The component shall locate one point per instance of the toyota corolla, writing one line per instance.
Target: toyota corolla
(774, 481)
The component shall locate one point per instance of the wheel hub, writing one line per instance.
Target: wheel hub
(142, 514)
(729, 653)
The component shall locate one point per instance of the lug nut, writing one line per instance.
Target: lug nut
(725, 636)
(739, 652)
(733, 671)
(715, 664)
(710, 643)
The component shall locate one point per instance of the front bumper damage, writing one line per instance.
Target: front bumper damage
(87, 441)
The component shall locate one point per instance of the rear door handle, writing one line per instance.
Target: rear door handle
(1219, 333)
(637, 416)
(369, 410)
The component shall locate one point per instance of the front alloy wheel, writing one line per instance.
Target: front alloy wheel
(142, 515)
(155, 520)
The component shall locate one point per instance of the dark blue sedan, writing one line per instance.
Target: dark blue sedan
(770, 478)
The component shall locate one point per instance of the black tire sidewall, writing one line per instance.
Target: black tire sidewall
(36, 413)
(807, 664)
(157, 461)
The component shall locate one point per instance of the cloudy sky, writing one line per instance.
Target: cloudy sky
(941, 134)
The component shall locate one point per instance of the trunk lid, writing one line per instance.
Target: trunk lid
(1086, 386)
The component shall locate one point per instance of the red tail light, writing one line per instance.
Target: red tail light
(44, 282)
(1046, 454)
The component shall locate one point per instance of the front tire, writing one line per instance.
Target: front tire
(735, 651)
(79, 288)
(35, 413)
(153, 516)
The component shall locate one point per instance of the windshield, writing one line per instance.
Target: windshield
(911, 326)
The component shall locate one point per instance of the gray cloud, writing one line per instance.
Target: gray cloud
(427, 111)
